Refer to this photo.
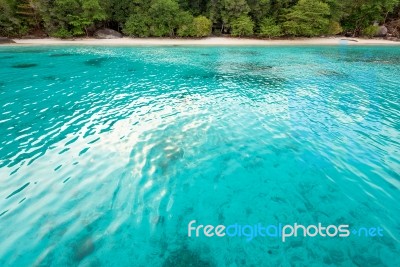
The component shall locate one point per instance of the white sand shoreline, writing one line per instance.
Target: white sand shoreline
(211, 41)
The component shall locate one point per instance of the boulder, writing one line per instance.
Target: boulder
(348, 34)
(5, 40)
(107, 34)
(381, 32)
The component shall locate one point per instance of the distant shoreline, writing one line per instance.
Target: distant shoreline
(211, 41)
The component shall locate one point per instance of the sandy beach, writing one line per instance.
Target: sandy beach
(212, 41)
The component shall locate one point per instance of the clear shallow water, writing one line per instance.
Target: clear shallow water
(106, 154)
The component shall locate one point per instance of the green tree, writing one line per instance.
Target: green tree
(92, 12)
(259, 9)
(370, 31)
(9, 24)
(195, 7)
(279, 8)
(137, 25)
(164, 17)
(72, 17)
(214, 8)
(361, 14)
(307, 18)
(139, 20)
(334, 28)
(232, 10)
(65, 18)
(242, 26)
(118, 11)
(202, 26)
(269, 28)
(27, 11)
(185, 23)
(198, 27)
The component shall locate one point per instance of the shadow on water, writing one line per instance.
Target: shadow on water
(184, 257)
(256, 74)
(6, 57)
(24, 51)
(96, 62)
(253, 66)
(372, 60)
(363, 56)
(244, 52)
(24, 65)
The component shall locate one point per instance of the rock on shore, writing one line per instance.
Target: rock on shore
(5, 40)
(107, 34)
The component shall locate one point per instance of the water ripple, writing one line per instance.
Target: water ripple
(107, 150)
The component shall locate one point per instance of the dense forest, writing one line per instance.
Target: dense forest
(197, 18)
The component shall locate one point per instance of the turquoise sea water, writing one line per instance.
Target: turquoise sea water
(107, 153)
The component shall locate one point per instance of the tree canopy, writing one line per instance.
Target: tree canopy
(195, 18)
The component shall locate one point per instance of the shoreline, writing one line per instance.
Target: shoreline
(210, 41)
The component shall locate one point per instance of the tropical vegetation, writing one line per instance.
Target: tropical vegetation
(196, 18)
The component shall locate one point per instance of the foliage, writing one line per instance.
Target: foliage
(269, 28)
(62, 33)
(65, 18)
(186, 28)
(196, 18)
(361, 14)
(307, 18)
(259, 9)
(202, 26)
(197, 27)
(242, 26)
(370, 31)
(334, 28)
(164, 17)
(8, 21)
(232, 11)
(137, 26)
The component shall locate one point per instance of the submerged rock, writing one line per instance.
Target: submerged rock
(83, 249)
(61, 55)
(158, 220)
(5, 40)
(107, 34)
(95, 62)
(24, 65)
(186, 258)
